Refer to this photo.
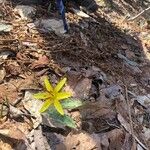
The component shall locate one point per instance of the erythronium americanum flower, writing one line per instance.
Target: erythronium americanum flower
(53, 95)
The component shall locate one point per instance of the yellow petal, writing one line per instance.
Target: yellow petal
(48, 85)
(60, 85)
(42, 95)
(58, 107)
(46, 104)
(62, 95)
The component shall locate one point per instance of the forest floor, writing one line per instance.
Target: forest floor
(106, 59)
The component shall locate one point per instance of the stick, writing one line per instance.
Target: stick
(141, 13)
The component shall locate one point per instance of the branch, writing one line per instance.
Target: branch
(141, 13)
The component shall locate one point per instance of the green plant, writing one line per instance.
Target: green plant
(54, 106)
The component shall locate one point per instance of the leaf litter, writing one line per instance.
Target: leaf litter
(102, 53)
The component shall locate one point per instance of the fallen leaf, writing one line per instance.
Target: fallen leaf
(116, 135)
(9, 91)
(144, 100)
(33, 106)
(112, 92)
(40, 140)
(82, 88)
(98, 117)
(10, 130)
(82, 141)
(43, 61)
(13, 68)
(2, 74)
(57, 141)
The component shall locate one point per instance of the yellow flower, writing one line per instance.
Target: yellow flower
(53, 96)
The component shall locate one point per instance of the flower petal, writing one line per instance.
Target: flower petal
(48, 85)
(58, 107)
(60, 85)
(62, 95)
(42, 95)
(45, 106)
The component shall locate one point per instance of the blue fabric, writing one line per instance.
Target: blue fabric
(61, 8)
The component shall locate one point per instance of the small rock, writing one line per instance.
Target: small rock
(25, 12)
(5, 27)
(112, 92)
(48, 25)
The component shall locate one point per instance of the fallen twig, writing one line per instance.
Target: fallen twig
(141, 13)
(130, 116)
(129, 110)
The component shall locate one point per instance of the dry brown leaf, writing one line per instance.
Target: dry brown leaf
(2, 74)
(10, 130)
(40, 63)
(13, 68)
(8, 91)
(98, 117)
(116, 139)
(82, 141)
(78, 85)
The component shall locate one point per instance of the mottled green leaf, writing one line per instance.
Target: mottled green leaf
(64, 120)
(71, 103)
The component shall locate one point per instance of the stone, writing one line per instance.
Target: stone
(25, 12)
(112, 92)
(47, 25)
(5, 27)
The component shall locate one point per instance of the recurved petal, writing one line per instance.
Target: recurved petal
(48, 85)
(45, 106)
(60, 85)
(42, 95)
(62, 95)
(58, 107)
